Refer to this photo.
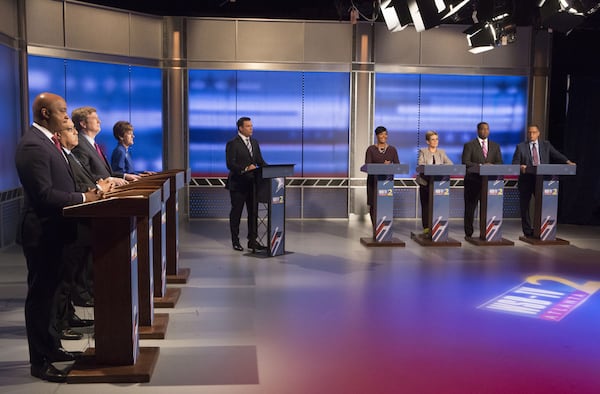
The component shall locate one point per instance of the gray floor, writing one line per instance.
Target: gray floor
(332, 316)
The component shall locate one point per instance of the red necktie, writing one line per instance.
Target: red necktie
(98, 150)
(56, 143)
(536, 157)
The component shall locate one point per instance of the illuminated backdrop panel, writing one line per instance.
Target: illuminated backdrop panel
(118, 92)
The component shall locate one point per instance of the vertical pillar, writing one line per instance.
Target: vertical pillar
(361, 112)
(175, 100)
(541, 56)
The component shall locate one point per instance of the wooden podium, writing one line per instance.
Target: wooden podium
(117, 357)
(546, 202)
(270, 190)
(149, 230)
(438, 178)
(383, 234)
(491, 206)
(163, 297)
(178, 178)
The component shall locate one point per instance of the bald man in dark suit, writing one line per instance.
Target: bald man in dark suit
(48, 186)
(529, 153)
(477, 152)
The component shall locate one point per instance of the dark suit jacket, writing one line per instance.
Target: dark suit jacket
(83, 179)
(238, 158)
(548, 154)
(472, 156)
(48, 186)
(87, 155)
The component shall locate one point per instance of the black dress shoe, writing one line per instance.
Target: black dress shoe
(256, 246)
(70, 335)
(61, 354)
(76, 321)
(49, 372)
(84, 302)
(237, 246)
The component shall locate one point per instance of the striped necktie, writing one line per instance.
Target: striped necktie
(249, 145)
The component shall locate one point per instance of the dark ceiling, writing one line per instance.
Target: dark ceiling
(526, 12)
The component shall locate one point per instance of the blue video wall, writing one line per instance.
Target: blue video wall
(300, 118)
(10, 114)
(118, 92)
(410, 104)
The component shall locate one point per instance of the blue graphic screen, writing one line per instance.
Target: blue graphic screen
(10, 114)
(410, 104)
(118, 92)
(299, 118)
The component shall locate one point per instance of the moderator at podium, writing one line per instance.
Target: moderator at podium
(243, 157)
(429, 155)
(532, 153)
(381, 153)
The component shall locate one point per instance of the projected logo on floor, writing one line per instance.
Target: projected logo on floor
(543, 297)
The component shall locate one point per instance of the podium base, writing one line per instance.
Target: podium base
(537, 241)
(424, 240)
(169, 300)
(182, 276)
(482, 242)
(87, 370)
(157, 330)
(368, 241)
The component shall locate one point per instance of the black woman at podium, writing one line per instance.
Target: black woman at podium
(381, 153)
(243, 157)
(431, 154)
(532, 153)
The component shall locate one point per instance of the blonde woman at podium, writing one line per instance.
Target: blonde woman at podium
(431, 154)
(382, 153)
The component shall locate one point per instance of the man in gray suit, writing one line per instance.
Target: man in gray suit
(89, 153)
(531, 153)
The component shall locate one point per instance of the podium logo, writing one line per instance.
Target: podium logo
(544, 297)
(277, 200)
(442, 192)
(385, 192)
(495, 192)
(550, 192)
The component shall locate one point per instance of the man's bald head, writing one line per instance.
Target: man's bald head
(50, 110)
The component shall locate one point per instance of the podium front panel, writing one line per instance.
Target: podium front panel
(384, 209)
(442, 169)
(552, 169)
(439, 199)
(492, 209)
(116, 312)
(384, 169)
(549, 208)
(277, 217)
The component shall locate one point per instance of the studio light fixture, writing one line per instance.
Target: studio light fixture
(565, 15)
(395, 14)
(481, 37)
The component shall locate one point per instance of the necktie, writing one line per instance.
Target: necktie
(56, 143)
(484, 148)
(98, 150)
(249, 145)
(433, 159)
(534, 153)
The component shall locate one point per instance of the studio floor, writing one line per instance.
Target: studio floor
(332, 316)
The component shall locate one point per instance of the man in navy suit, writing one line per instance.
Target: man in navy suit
(530, 153)
(243, 157)
(477, 152)
(48, 186)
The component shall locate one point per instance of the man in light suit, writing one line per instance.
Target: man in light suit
(477, 152)
(243, 157)
(529, 153)
(48, 186)
(89, 154)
